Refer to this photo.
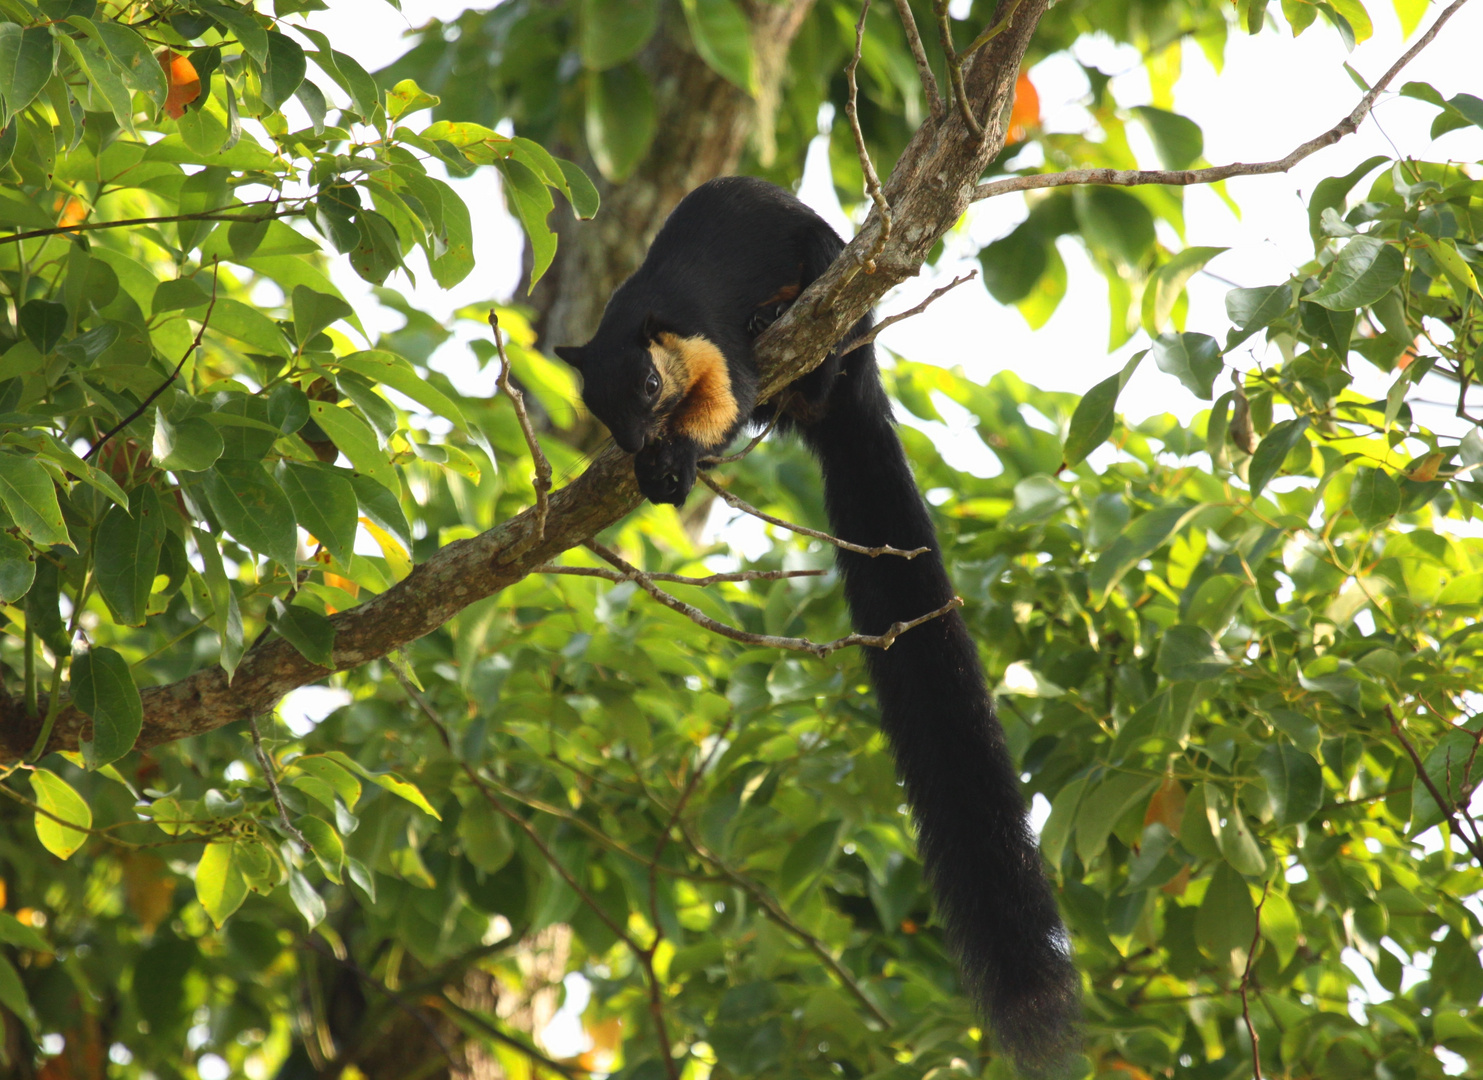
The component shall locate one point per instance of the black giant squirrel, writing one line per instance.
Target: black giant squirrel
(672, 374)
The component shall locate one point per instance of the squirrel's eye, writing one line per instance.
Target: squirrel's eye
(652, 385)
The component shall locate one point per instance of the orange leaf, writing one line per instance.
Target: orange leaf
(185, 84)
(1026, 111)
(1426, 468)
(1166, 806)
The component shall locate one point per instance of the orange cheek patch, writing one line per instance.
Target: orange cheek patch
(708, 412)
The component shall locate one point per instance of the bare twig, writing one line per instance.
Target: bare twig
(770, 907)
(874, 332)
(158, 390)
(955, 71)
(1256, 937)
(680, 579)
(700, 618)
(992, 32)
(708, 462)
(272, 778)
(919, 54)
(125, 223)
(1448, 808)
(542, 479)
(1186, 177)
(872, 181)
(747, 508)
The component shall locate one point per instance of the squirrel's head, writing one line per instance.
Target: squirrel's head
(629, 380)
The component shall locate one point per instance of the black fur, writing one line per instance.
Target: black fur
(713, 270)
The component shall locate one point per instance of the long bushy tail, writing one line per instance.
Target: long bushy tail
(973, 834)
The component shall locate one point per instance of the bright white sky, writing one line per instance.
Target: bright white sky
(1274, 93)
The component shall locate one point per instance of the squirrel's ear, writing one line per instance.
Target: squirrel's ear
(651, 328)
(572, 354)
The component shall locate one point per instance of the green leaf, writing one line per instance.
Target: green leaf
(193, 445)
(1225, 925)
(394, 371)
(1332, 191)
(103, 687)
(1037, 499)
(809, 856)
(27, 492)
(456, 238)
(1012, 265)
(243, 24)
(103, 77)
(307, 631)
(220, 884)
(1115, 222)
(1294, 783)
(339, 778)
(284, 70)
(14, 932)
(1193, 359)
(13, 994)
(1095, 414)
(1162, 293)
(723, 38)
(1145, 536)
(324, 503)
(620, 120)
(26, 59)
(1232, 834)
(17, 569)
(328, 848)
(1267, 461)
(357, 442)
(313, 311)
(56, 797)
(377, 252)
(249, 326)
(612, 31)
(43, 322)
(485, 835)
(388, 780)
(132, 55)
(1188, 654)
(254, 509)
(1177, 139)
(584, 198)
(1297, 727)
(1366, 269)
(126, 554)
(1374, 497)
(407, 97)
(380, 505)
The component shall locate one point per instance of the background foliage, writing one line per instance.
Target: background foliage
(1216, 645)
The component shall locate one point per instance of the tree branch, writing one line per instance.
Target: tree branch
(700, 618)
(680, 579)
(1256, 937)
(124, 223)
(542, 479)
(919, 54)
(747, 508)
(852, 114)
(928, 191)
(874, 332)
(1186, 177)
(1448, 808)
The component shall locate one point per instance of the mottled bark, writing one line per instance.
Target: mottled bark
(928, 191)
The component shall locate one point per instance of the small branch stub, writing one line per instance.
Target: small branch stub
(542, 478)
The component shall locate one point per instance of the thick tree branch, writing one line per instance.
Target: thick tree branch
(930, 187)
(1186, 177)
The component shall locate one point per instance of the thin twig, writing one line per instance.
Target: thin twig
(644, 956)
(700, 618)
(993, 31)
(542, 479)
(872, 181)
(874, 332)
(919, 54)
(708, 462)
(399, 999)
(763, 899)
(1448, 808)
(955, 71)
(271, 777)
(124, 223)
(680, 579)
(747, 508)
(1186, 177)
(158, 390)
(1256, 937)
